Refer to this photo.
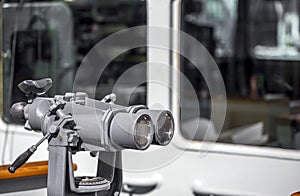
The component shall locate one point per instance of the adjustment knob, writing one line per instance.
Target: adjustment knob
(35, 87)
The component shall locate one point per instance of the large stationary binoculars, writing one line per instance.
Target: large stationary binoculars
(73, 122)
(96, 125)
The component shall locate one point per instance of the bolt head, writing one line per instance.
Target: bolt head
(53, 129)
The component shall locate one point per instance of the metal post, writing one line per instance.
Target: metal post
(57, 170)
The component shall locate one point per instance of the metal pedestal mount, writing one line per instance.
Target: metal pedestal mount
(61, 180)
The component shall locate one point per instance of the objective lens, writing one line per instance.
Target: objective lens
(165, 128)
(133, 131)
(143, 132)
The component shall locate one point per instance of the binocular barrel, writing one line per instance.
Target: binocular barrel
(100, 125)
(163, 120)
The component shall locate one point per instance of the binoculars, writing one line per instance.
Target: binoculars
(73, 122)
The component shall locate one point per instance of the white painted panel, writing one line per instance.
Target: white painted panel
(221, 173)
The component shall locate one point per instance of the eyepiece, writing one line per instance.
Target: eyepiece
(17, 110)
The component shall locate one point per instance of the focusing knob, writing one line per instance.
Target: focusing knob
(35, 87)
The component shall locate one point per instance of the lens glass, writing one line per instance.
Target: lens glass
(165, 128)
(143, 132)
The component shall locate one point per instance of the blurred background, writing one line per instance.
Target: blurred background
(255, 43)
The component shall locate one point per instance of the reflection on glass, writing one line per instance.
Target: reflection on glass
(215, 16)
(256, 46)
(280, 20)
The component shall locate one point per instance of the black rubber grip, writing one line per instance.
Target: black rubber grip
(20, 161)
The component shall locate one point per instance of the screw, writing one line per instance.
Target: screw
(53, 129)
